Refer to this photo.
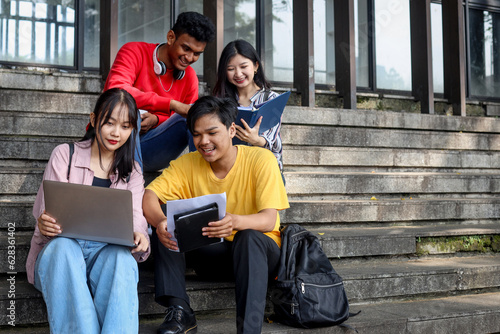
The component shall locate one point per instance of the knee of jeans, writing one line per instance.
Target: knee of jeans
(59, 253)
(121, 258)
(60, 247)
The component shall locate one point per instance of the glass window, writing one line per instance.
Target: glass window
(193, 6)
(38, 32)
(362, 39)
(392, 44)
(239, 21)
(145, 21)
(324, 42)
(484, 35)
(437, 47)
(278, 40)
(91, 31)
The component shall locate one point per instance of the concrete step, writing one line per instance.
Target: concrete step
(336, 242)
(18, 181)
(388, 138)
(204, 296)
(367, 134)
(344, 183)
(355, 242)
(371, 281)
(300, 158)
(77, 83)
(304, 158)
(471, 314)
(394, 211)
(21, 102)
(30, 148)
(18, 210)
(294, 115)
(45, 125)
(306, 185)
(367, 284)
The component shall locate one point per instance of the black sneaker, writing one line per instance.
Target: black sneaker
(178, 321)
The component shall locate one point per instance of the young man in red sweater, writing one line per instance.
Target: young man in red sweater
(164, 85)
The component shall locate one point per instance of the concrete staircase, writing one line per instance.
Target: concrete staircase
(405, 205)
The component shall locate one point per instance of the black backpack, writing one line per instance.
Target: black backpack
(307, 292)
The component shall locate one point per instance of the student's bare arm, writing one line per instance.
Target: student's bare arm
(179, 107)
(155, 216)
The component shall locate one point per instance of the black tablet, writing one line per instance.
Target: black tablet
(188, 227)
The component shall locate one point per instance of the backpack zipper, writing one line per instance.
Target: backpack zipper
(303, 286)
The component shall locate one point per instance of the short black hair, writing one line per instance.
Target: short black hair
(196, 25)
(224, 108)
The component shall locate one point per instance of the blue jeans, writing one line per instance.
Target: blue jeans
(88, 286)
(157, 147)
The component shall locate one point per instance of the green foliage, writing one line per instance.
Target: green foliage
(470, 243)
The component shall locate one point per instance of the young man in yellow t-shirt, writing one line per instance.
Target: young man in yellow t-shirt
(252, 181)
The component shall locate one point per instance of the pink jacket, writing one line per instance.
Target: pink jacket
(81, 173)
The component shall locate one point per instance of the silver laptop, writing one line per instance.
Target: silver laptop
(91, 213)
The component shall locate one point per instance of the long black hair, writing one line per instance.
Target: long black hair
(123, 161)
(223, 88)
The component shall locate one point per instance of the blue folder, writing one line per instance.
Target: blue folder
(271, 110)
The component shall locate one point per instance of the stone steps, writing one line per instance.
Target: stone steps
(334, 213)
(301, 185)
(374, 186)
(382, 119)
(29, 148)
(404, 210)
(322, 183)
(387, 138)
(300, 158)
(463, 315)
(345, 242)
(34, 81)
(393, 281)
(296, 158)
(44, 125)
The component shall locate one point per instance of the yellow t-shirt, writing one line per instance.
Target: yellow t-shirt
(253, 184)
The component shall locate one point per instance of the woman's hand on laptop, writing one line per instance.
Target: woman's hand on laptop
(141, 241)
(48, 226)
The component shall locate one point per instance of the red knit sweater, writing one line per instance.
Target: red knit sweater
(133, 71)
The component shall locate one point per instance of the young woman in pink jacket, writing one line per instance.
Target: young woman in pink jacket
(89, 286)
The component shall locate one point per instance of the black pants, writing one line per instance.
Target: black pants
(252, 258)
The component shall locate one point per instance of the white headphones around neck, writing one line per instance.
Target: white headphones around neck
(160, 68)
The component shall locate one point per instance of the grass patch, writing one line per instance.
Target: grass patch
(469, 243)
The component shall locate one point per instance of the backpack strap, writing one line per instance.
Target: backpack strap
(71, 150)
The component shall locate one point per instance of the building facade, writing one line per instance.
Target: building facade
(427, 50)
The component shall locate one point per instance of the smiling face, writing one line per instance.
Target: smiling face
(214, 141)
(240, 71)
(113, 133)
(182, 50)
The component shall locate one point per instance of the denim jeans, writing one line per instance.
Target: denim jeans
(159, 146)
(88, 286)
